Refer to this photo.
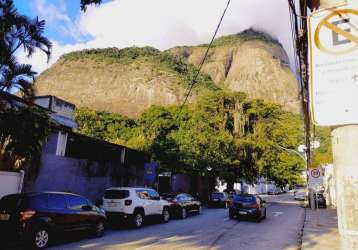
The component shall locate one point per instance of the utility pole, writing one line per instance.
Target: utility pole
(345, 160)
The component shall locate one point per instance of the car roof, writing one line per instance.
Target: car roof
(31, 194)
(252, 195)
(129, 188)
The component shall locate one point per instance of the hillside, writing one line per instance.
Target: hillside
(124, 81)
(130, 80)
(250, 62)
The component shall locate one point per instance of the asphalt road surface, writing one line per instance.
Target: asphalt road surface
(211, 230)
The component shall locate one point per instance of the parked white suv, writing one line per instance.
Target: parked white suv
(134, 204)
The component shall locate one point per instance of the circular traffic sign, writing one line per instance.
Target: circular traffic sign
(326, 23)
(315, 173)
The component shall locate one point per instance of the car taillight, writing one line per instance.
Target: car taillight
(255, 205)
(27, 214)
(128, 202)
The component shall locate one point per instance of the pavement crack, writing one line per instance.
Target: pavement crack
(222, 234)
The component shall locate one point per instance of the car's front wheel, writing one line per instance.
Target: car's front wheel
(137, 220)
(184, 213)
(165, 215)
(40, 237)
(232, 214)
(200, 209)
(98, 230)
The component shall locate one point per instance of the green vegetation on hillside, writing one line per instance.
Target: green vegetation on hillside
(160, 61)
(244, 36)
(234, 137)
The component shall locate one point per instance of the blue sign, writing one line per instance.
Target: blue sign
(150, 172)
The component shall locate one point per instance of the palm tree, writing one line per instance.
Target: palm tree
(18, 31)
(84, 3)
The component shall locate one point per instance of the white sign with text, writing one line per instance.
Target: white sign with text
(333, 47)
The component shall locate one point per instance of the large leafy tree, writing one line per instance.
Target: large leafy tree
(19, 32)
(23, 128)
(222, 135)
(23, 132)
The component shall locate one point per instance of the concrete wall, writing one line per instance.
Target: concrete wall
(84, 177)
(180, 182)
(10, 182)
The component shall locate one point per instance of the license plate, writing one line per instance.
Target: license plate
(242, 212)
(111, 204)
(4, 217)
(215, 199)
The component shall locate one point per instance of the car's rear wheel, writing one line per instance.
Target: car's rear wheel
(165, 215)
(98, 230)
(137, 219)
(40, 237)
(184, 213)
(257, 219)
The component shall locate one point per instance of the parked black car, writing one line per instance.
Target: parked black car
(219, 199)
(182, 204)
(37, 217)
(248, 206)
(319, 199)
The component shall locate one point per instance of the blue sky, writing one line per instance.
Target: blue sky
(158, 23)
(59, 16)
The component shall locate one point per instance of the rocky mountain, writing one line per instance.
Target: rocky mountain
(250, 62)
(130, 80)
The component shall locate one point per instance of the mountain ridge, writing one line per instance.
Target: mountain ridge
(130, 80)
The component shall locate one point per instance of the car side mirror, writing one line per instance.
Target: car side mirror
(87, 208)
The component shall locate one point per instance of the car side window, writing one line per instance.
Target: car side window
(38, 201)
(56, 201)
(153, 194)
(76, 202)
(143, 194)
(181, 197)
(189, 197)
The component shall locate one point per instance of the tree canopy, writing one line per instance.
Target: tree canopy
(221, 134)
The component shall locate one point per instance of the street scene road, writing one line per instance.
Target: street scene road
(154, 124)
(211, 230)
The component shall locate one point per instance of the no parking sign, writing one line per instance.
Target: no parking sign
(315, 177)
(333, 47)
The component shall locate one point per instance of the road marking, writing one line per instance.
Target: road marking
(277, 213)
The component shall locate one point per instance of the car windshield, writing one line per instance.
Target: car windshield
(11, 202)
(244, 198)
(116, 194)
(217, 195)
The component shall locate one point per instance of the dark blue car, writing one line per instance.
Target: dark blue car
(39, 217)
(248, 206)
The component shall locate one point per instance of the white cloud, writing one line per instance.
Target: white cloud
(56, 17)
(167, 23)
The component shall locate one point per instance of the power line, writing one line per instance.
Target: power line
(205, 55)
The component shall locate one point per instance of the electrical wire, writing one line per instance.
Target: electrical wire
(205, 55)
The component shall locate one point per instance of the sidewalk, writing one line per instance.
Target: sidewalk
(321, 230)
